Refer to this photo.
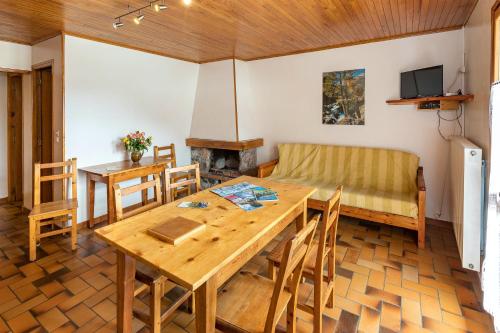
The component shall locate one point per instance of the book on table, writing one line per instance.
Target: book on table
(176, 230)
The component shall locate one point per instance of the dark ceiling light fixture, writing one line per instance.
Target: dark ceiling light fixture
(156, 5)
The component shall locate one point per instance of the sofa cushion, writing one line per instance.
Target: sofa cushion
(390, 202)
(373, 178)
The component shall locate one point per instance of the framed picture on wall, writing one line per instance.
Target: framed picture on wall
(344, 97)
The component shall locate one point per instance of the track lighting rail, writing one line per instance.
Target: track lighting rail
(156, 5)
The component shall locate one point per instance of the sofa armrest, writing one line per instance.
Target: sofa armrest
(266, 169)
(420, 179)
(421, 207)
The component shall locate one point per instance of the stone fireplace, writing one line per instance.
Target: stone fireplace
(221, 161)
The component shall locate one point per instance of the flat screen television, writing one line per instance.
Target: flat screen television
(424, 82)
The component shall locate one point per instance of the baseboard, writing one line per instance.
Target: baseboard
(98, 220)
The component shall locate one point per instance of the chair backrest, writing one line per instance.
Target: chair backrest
(290, 270)
(169, 155)
(327, 237)
(180, 177)
(67, 175)
(122, 192)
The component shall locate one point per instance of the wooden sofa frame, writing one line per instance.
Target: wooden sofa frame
(418, 224)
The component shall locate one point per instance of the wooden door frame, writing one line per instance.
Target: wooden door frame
(495, 43)
(9, 146)
(34, 130)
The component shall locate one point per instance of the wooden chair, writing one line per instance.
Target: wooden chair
(151, 280)
(170, 155)
(173, 181)
(54, 212)
(322, 251)
(252, 303)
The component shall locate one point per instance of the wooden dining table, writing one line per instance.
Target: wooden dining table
(115, 172)
(206, 260)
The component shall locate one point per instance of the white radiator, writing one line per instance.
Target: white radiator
(465, 173)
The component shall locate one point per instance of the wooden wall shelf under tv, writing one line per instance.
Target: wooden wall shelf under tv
(442, 102)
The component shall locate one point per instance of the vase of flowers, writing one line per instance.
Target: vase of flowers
(136, 143)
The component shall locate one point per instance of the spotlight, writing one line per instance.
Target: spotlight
(187, 2)
(158, 7)
(138, 18)
(118, 24)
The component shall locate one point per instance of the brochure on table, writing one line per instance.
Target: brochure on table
(246, 195)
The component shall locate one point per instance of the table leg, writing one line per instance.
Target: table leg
(125, 282)
(111, 200)
(206, 305)
(90, 201)
(301, 220)
(144, 192)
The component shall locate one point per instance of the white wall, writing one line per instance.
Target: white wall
(213, 115)
(477, 79)
(280, 99)
(15, 56)
(110, 91)
(4, 190)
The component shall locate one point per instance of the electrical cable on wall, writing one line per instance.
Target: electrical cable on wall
(458, 114)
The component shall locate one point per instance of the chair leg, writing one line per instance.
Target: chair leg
(32, 238)
(192, 304)
(74, 229)
(155, 296)
(38, 231)
(330, 302)
(291, 325)
(318, 304)
(163, 188)
(271, 270)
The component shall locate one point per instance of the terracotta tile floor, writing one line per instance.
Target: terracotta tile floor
(384, 283)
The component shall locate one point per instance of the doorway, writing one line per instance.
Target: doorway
(42, 125)
(15, 137)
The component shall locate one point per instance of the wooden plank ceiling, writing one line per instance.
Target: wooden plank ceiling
(209, 30)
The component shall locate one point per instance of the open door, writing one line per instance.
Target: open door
(15, 137)
(42, 125)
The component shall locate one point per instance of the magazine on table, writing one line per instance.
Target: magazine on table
(246, 195)
(232, 189)
(264, 194)
(193, 204)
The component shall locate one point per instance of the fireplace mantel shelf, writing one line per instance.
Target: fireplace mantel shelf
(228, 145)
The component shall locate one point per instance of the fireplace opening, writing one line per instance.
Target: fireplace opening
(225, 163)
(219, 165)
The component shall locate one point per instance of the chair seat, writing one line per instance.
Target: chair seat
(244, 302)
(54, 208)
(277, 253)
